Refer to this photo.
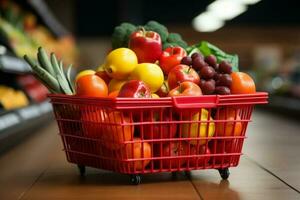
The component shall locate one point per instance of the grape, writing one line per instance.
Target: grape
(207, 72)
(216, 76)
(225, 67)
(211, 60)
(196, 54)
(222, 90)
(198, 63)
(202, 81)
(208, 87)
(186, 60)
(224, 80)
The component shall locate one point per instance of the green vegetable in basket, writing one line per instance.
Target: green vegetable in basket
(120, 36)
(51, 72)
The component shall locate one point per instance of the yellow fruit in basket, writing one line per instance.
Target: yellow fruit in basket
(154, 96)
(115, 85)
(120, 63)
(149, 73)
(84, 73)
(199, 129)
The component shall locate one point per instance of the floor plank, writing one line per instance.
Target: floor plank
(273, 142)
(20, 167)
(247, 181)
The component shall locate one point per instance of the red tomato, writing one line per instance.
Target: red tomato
(104, 76)
(242, 83)
(91, 86)
(138, 150)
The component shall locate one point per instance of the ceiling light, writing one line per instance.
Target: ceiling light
(206, 22)
(226, 9)
(250, 2)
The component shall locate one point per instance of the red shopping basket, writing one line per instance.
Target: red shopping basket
(138, 136)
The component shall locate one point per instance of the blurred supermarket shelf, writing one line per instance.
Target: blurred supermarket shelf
(284, 103)
(13, 64)
(17, 123)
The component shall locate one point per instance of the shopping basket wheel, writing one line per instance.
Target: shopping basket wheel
(224, 173)
(135, 179)
(81, 169)
(174, 175)
(187, 174)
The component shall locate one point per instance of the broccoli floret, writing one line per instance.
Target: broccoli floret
(182, 43)
(174, 37)
(169, 44)
(158, 28)
(177, 39)
(121, 35)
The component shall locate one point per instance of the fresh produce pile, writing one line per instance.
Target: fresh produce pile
(148, 62)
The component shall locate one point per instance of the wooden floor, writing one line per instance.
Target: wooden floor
(270, 169)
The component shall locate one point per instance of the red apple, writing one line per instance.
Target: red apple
(146, 45)
(163, 90)
(173, 149)
(181, 73)
(135, 89)
(186, 88)
(156, 131)
(199, 161)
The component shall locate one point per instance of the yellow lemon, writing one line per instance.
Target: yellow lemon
(84, 73)
(155, 96)
(115, 85)
(149, 73)
(120, 63)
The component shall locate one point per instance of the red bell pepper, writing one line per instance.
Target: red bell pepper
(146, 45)
(171, 57)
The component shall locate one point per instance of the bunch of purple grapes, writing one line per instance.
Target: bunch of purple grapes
(215, 77)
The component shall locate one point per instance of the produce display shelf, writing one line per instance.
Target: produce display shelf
(17, 123)
(12, 64)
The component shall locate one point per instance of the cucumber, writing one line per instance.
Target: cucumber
(44, 75)
(69, 78)
(44, 61)
(60, 75)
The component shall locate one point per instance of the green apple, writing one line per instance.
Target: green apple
(199, 129)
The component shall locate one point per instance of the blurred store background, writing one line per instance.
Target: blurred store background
(264, 33)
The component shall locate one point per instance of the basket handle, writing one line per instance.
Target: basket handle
(191, 102)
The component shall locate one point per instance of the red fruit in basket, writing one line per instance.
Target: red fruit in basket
(171, 57)
(181, 73)
(163, 90)
(199, 161)
(91, 86)
(242, 83)
(155, 131)
(211, 60)
(92, 122)
(232, 126)
(135, 89)
(117, 129)
(186, 88)
(104, 76)
(138, 150)
(173, 149)
(146, 45)
(225, 148)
